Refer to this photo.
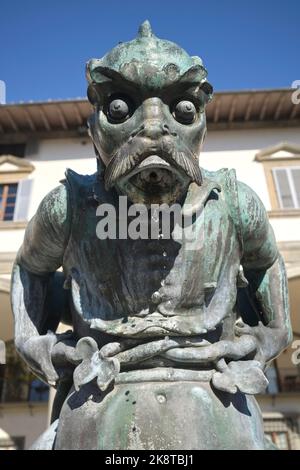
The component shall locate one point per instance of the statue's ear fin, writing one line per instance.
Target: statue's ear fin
(99, 76)
(97, 73)
(91, 71)
(195, 74)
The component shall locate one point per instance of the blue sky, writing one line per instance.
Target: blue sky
(244, 44)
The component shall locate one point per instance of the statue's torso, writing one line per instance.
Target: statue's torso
(153, 287)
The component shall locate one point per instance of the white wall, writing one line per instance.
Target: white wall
(24, 419)
(250, 139)
(52, 159)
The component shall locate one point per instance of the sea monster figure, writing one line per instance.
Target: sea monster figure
(170, 337)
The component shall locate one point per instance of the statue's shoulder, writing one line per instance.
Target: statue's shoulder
(79, 187)
(84, 188)
(231, 186)
(224, 176)
(228, 184)
(76, 181)
(226, 179)
(57, 206)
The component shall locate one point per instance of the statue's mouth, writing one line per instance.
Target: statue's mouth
(154, 180)
(153, 175)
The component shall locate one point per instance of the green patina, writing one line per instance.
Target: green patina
(146, 60)
(221, 299)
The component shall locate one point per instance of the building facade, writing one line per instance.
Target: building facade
(255, 132)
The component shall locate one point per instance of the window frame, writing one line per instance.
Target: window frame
(5, 198)
(268, 165)
(288, 169)
(274, 437)
(281, 424)
(21, 169)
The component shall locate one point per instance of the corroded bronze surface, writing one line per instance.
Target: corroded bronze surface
(167, 333)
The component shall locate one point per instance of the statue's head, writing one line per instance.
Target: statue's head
(148, 125)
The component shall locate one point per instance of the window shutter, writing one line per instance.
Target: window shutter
(296, 180)
(23, 200)
(283, 188)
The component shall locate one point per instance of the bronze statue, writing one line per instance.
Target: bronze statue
(170, 337)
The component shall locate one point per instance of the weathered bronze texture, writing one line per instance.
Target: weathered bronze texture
(170, 338)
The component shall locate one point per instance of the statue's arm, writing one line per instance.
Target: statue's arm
(265, 271)
(39, 257)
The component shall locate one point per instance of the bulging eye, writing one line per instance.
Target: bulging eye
(185, 112)
(118, 110)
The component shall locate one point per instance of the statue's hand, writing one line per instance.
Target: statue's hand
(267, 338)
(37, 351)
(51, 356)
(244, 376)
(64, 356)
